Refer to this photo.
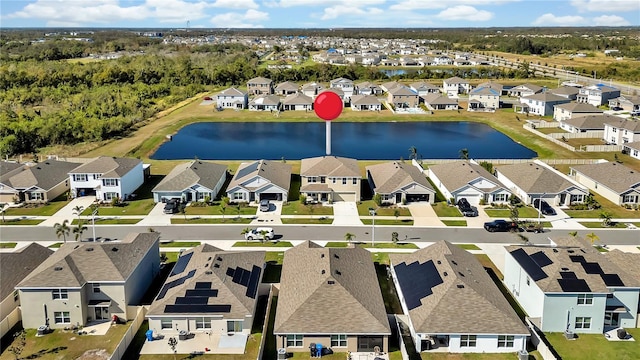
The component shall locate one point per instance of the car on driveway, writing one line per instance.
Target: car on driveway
(500, 225)
(543, 207)
(258, 234)
(265, 205)
(466, 209)
(171, 206)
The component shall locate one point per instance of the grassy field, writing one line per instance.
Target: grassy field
(617, 212)
(276, 244)
(377, 245)
(297, 208)
(107, 221)
(444, 210)
(180, 244)
(599, 225)
(363, 209)
(387, 222)
(230, 210)
(468, 246)
(595, 347)
(454, 222)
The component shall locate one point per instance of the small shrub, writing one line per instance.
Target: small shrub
(483, 202)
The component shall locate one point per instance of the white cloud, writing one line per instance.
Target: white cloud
(609, 6)
(235, 4)
(442, 4)
(326, 3)
(552, 20)
(61, 12)
(610, 20)
(465, 12)
(249, 19)
(337, 11)
(176, 10)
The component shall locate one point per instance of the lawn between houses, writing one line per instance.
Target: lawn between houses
(595, 347)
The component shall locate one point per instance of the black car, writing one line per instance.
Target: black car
(543, 207)
(500, 225)
(172, 206)
(466, 209)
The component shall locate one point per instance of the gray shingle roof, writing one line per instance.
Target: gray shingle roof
(421, 85)
(457, 174)
(631, 125)
(287, 85)
(392, 176)
(492, 85)
(565, 90)
(109, 167)
(590, 122)
(579, 108)
(402, 91)
(17, 265)
(203, 260)
(334, 166)
(615, 176)
(232, 91)
(455, 80)
(45, 175)
(534, 178)
(467, 301)
(297, 99)
(364, 100)
(532, 87)
(546, 97)
(265, 100)
(485, 91)
(277, 173)
(75, 264)
(329, 291)
(438, 99)
(185, 175)
(259, 81)
(6, 166)
(629, 262)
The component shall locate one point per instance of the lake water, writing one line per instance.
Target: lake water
(359, 140)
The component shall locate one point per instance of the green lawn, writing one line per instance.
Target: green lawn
(21, 222)
(103, 221)
(382, 258)
(363, 209)
(170, 256)
(228, 220)
(468, 246)
(454, 222)
(444, 210)
(617, 212)
(483, 356)
(135, 207)
(230, 211)
(296, 208)
(599, 225)
(56, 245)
(523, 212)
(37, 209)
(595, 347)
(387, 222)
(277, 244)
(377, 245)
(8, 245)
(319, 221)
(180, 244)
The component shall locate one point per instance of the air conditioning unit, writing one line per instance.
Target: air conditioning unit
(282, 354)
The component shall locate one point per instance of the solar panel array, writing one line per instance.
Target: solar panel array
(197, 301)
(593, 268)
(529, 265)
(417, 281)
(247, 170)
(175, 283)
(246, 278)
(181, 265)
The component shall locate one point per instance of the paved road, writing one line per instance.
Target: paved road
(322, 233)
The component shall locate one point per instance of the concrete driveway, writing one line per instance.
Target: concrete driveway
(269, 217)
(345, 213)
(156, 217)
(424, 215)
(66, 213)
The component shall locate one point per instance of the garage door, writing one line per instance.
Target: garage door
(344, 197)
(271, 196)
(472, 199)
(417, 197)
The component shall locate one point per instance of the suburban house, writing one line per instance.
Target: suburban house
(402, 97)
(424, 88)
(537, 180)
(260, 180)
(452, 304)
(232, 98)
(338, 91)
(367, 88)
(346, 85)
(390, 85)
(466, 179)
(365, 103)
(570, 110)
(541, 104)
(495, 86)
(15, 266)
(399, 183)
(330, 178)
(454, 86)
(265, 103)
(483, 98)
(437, 101)
(587, 123)
(571, 287)
(626, 103)
(524, 90)
(88, 281)
(260, 85)
(330, 296)
(569, 92)
(621, 131)
(107, 178)
(34, 183)
(312, 89)
(209, 291)
(299, 102)
(615, 182)
(633, 149)
(286, 88)
(193, 181)
(598, 94)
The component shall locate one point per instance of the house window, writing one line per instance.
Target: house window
(311, 179)
(338, 340)
(61, 317)
(528, 281)
(635, 152)
(166, 324)
(323, 179)
(333, 180)
(36, 196)
(585, 299)
(294, 340)
(109, 182)
(505, 340)
(238, 196)
(16, 295)
(110, 196)
(79, 177)
(583, 323)
(59, 294)
(203, 323)
(577, 198)
(234, 326)
(630, 199)
(344, 181)
(96, 288)
(500, 197)
(384, 197)
(355, 181)
(467, 340)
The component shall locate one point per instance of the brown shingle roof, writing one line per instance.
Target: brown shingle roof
(616, 177)
(275, 172)
(259, 80)
(535, 178)
(364, 100)
(232, 91)
(16, 266)
(329, 291)
(631, 125)
(392, 176)
(465, 301)
(457, 174)
(333, 166)
(195, 172)
(546, 97)
(579, 108)
(438, 99)
(297, 99)
(109, 167)
(590, 122)
(45, 175)
(629, 262)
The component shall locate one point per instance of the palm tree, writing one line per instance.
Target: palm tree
(349, 237)
(223, 209)
(593, 238)
(464, 154)
(394, 237)
(244, 232)
(62, 229)
(2, 205)
(77, 210)
(606, 218)
(396, 213)
(263, 235)
(78, 230)
(413, 153)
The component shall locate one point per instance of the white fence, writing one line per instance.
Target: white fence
(529, 127)
(129, 335)
(403, 348)
(507, 161)
(544, 124)
(538, 343)
(10, 321)
(272, 291)
(599, 134)
(602, 148)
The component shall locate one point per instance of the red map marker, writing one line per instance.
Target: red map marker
(328, 105)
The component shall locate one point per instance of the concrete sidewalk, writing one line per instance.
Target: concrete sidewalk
(66, 213)
(424, 215)
(272, 216)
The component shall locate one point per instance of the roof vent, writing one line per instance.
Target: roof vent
(89, 249)
(336, 256)
(321, 256)
(454, 262)
(555, 250)
(216, 265)
(322, 272)
(461, 274)
(218, 258)
(460, 286)
(331, 282)
(47, 163)
(570, 251)
(209, 272)
(114, 249)
(439, 262)
(206, 265)
(57, 268)
(209, 259)
(565, 269)
(445, 273)
(39, 168)
(338, 272)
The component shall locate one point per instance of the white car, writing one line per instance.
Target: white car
(257, 234)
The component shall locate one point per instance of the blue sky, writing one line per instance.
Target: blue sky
(317, 13)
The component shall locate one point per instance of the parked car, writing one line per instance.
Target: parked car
(500, 225)
(544, 208)
(265, 205)
(258, 234)
(466, 209)
(172, 206)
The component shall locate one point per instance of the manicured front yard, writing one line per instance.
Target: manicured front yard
(227, 220)
(468, 246)
(454, 222)
(318, 221)
(363, 209)
(376, 245)
(297, 208)
(180, 244)
(442, 209)
(599, 225)
(134, 207)
(523, 212)
(38, 210)
(231, 210)
(617, 212)
(8, 245)
(107, 221)
(387, 222)
(21, 222)
(595, 347)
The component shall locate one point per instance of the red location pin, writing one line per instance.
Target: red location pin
(328, 105)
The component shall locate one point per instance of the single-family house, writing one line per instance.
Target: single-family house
(297, 102)
(36, 183)
(598, 94)
(536, 180)
(388, 86)
(286, 88)
(569, 92)
(587, 123)
(330, 178)
(260, 180)
(542, 103)
(632, 149)
(339, 92)
(454, 86)
(365, 103)
(265, 103)
(626, 103)
(209, 292)
(571, 287)
(467, 179)
(260, 85)
(615, 182)
(501, 89)
(620, 131)
(437, 101)
(196, 180)
(312, 89)
(346, 85)
(330, 296)
(107, 178)
(483, 98)
(232, 98)
(573, 109)
(89, 281)
(524, 90)
(15, 266)
(452, 304)
(402, 97)
(399, 183)
(368, 88)
(424, 88)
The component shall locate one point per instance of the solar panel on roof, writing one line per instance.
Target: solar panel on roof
(202, 292)
(203, 285)
(182, 263)
(174, 283)
(577, 258)
(230, 271)
(417, 281)
(612, 280)
(528, 265)
(252, 287)
(191, 300)
(541, 259)
(592, 268)
(247, 170)
(197, 308)
(568, 275)
(574, 285)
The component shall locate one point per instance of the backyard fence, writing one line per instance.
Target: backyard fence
(544, 124)
(129, 335)
(10, 321)
(403, 348)
(530, 128)
(539, 342)
(272, 291)
(602, 148)
(599, 134)
(507, 162)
